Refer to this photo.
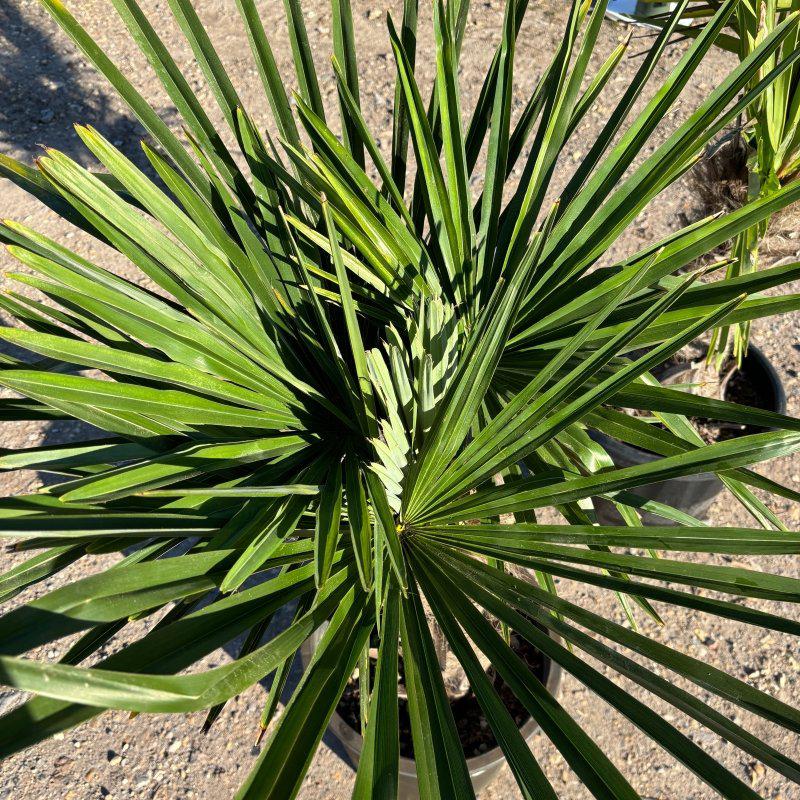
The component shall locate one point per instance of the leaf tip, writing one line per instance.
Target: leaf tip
(261, 731)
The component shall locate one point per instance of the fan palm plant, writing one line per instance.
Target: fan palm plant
(770, 132)
(309, 406)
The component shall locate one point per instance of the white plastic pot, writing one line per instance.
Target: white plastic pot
(483, 769)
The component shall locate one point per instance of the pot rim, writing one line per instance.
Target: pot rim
(644, 456)
(477, 765)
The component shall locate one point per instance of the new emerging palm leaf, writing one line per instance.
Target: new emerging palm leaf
(310, 407)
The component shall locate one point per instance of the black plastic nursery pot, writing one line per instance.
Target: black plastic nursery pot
(483, 768)
(692, 494)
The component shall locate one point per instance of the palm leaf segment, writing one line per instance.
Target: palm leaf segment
(324, 379)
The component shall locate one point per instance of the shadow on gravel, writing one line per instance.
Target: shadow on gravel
(45, 90)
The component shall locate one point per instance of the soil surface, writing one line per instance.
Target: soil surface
(46, 85)
(747, 385)
(474, 733)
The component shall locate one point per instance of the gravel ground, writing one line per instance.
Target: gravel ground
(47, 85)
